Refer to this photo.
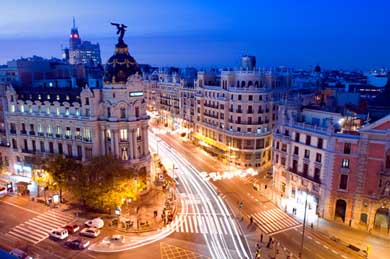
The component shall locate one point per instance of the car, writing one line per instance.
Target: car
(256, 186)
(94, 223)
(90, 232)
(19, 254)
(59, 233)
(72, 228)
(77, 243)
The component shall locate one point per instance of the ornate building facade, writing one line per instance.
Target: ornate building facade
(82, 123)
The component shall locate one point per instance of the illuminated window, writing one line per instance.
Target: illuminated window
(39, 97)
(67, 111)
(124, 155)
(123, 134)
(87, 134)
(67, 98)
(68, 133)
(58, 97)
(30, 109)
(345, 163)
(49, 129)
(58, 111)
(48, 96)
(108, 134)
(77, 112)
(22, 108)
(39, 128)
(48, 110)
(58, 130)
(12, 108)
(123, 113)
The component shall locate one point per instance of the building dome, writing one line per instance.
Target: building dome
(120, 66)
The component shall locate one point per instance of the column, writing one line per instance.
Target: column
(116, 143)
(103, 142)
(134, 141)
(130, 145)
(144, 139)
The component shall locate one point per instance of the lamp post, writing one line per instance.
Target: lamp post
(303, 227)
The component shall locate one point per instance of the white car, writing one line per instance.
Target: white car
(59, 233)
(90, 232)
(95, 223)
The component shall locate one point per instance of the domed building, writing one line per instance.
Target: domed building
(120, 66)
(84, 122)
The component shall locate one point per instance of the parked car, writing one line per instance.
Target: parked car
(60, 233)
(20, 254)
(77, 243)
(72, 228)
(90, 232)
(114, 239)
(95, 223)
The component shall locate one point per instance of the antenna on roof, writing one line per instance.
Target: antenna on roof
(74, 22)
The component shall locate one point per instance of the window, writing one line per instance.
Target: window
(305, 169)
(123, 113)
(58, 111)
(48, 110)
(239, 97)
(124, 154)
(277, 144)
(60, 150)
(108, 135)
(86, 101)
(318, 157)
(108, 112)
(138, 134)
(123, 134)
(77, 112)
(320, 143)
(343, 182)
(347, 148)
(86, 112)
(87, 134)
(22, 108)
(58, 130)
(345, 163)
(284, 147)
(250, 98)
(30, 109)
(49, 132)
(307, 153)
(51, 147)
(12, 108)
(42, 144)
(296, 150)
(67, 111)
(295, 166)
(70, 152)
(79, 151)
(317, 174)
(78, 133)
(297, 136)
(286, 133)
(68, 133)
(308, 140)
(137, 111)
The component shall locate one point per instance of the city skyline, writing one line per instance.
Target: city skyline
(208, 35)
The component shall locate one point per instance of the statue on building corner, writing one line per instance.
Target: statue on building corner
(121, 29)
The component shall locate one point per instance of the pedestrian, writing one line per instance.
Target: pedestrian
(251, 219)
(258, 246)
(261, 238)
(269, 242)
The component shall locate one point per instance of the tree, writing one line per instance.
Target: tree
(103, 183)
(61, 170)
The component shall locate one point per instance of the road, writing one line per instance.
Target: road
(268, 218)
(217, 225)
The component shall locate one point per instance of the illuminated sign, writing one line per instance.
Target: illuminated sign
(136, 94)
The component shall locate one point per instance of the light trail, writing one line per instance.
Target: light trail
(220, 246)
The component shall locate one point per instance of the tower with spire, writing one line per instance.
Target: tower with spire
(74, 40)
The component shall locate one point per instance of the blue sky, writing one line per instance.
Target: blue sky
(300, 33)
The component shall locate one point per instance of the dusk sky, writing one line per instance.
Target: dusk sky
(340, 34)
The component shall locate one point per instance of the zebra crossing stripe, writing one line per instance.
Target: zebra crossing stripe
(22, 236)
(24, 226)
(51, 218)
(53, 221)
(190, 223)
(195, 224)
(30, 232)
(66, 217)
(186, 225)
(41, 221)
(181, 225)
(35, 226)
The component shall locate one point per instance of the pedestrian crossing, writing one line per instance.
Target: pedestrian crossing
(203, 224)
(274, 221)
(37, 229)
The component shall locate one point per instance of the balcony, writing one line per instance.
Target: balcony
(12, 131)
(68, 137)
(238, 111)
(314, 179)
(31, 133)
(41, 134)
(23, 132)
(77, 137)
(58, 136)
(87, 140)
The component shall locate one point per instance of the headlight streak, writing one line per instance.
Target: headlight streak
(218, 248)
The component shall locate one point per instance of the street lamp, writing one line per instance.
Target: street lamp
(304, 225)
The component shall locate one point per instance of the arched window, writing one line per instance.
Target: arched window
(250, 83)
(243, 84)
(123, 113)
(257, 84)
(238, 83)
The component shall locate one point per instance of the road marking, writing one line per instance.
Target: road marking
(325, 246)
(318, 242)
(334, 251)
(223, 226)
(309, 237)
(190, 223)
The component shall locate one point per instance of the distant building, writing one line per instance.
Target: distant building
(81, 52)
(248, 62)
